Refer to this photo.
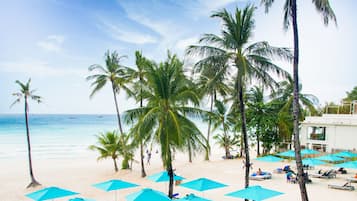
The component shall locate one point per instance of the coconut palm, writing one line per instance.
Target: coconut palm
(164, 115)
(250, 61)
(26, 93)
(108, 146)
(126, 150)
(113, 72)
(290, 16)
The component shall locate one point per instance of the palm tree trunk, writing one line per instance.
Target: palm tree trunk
(117, 108)
(33, 183)
(209, 131)
(189, 152)
(171, 174)
(143, 173)
(244, 133)
(303, 192)
(258, 143)
(115, 164)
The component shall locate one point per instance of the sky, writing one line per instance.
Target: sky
(53, 42)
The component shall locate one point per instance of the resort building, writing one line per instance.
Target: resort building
(330, 132)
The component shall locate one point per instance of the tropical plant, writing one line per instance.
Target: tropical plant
(113, 72)
(290, 16)
(126, 150)
(26, 93)
(352, 95)
(108, 146)
(250, 61)
(164, 115)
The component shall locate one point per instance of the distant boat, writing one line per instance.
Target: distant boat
(100, 116)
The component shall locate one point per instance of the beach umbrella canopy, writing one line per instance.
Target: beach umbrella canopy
(114, 184)
(147, 194)
(289, 153)
(50, 193)
(309, 152)
(350, 164)
(163, 176)
(269, 159)
(80, 199)
(192, 197)
(345, 154)
(256, 193)
(312, 162)
(330, 158)
(203, 184)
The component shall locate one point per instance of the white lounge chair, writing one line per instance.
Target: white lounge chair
(347, 186)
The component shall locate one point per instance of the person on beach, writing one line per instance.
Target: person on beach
(149, 157)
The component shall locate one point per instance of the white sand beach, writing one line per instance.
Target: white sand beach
(79, 174)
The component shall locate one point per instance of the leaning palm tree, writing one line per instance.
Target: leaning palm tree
(113, 72)
(26, 93)
(290, 16)
(249, 61)
(108, 146)
(164, 115)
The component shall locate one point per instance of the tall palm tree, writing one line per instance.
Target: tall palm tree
(164, 115)
(290, 16)
(26, 93)
(250, 61)
(108, 146)
(113, 72)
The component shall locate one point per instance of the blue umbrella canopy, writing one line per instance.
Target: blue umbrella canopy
(350, 164)
(330, 158)
(289, 153)
(192, 197)
(114, 184)
(203, 184)
(80, 199)
(256, 193)
(345, 154)
(312, 162)
(309, 152)
(269, 159)
(163, 176)
(50, 193)
(147, 194)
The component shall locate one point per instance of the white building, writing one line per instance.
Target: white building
(330, 132)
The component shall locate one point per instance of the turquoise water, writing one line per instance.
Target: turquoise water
(52, 136)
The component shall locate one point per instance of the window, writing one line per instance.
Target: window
(316, 133)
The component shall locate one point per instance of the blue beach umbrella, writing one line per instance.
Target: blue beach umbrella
(350, 164)
(330, 158)
(80, 199)
(309, 152)
(192, 197)
(163, 177)
(312, 162)
(147, 194)
(203, 184)
(50, 193)
(345, 154)
(256, 193)
(114, 184)
(289, 153)
(269, 159)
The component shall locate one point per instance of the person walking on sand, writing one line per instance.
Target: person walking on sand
(149, 157)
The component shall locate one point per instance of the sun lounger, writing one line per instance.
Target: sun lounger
(352, 179)
(326, 175)
(347, 186)
(265, 175)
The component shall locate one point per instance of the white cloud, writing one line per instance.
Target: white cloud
(52, 43)
(39, 69)
(123, 34)
(184, 43)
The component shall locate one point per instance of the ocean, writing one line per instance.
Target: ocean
(55, 135)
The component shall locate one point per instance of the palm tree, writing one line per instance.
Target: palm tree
(211, 83)
(26, 93)
(164, 115)
(249, 61)
(113, 72)
(126, 150)
(290, 16)
(108, 146)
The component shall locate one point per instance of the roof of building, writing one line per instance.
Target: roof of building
(332, 119)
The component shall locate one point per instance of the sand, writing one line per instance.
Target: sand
(78, 174)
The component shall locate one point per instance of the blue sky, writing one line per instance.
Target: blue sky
(55, 41)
